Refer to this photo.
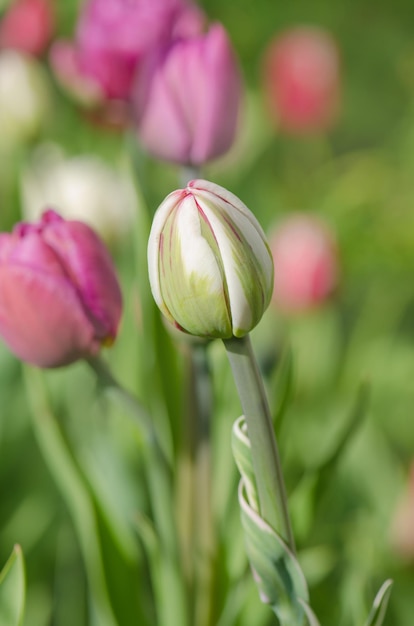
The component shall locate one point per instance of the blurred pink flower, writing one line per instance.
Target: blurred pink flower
(27, 26)
(187, 99)
(112, 38)
(305, 260)
(402, 527)
(302, 80)
(59, 296)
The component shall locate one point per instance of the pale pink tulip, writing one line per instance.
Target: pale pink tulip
(306, 264)
(187, 99)
(59, 296)
(27, 26)
(402, 526)
(302, 80)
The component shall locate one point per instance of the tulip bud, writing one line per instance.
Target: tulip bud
(210, 267)
(187, 99)
(59, 296)
(302, 80)
(27, 26)
(84, 188)
(306, 267)
(24, 97)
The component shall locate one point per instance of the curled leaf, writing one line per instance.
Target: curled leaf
(277, 572)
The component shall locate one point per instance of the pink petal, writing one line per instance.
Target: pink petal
(41, 318)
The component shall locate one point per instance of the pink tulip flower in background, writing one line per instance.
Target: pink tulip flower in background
(28, 26)
(187, 99)
(306, 263)
(112, 38)
(402, 524)
(59, 295)
(302, 80)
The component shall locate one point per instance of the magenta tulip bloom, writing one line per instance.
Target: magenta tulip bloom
(187, 99)
(302, 80)
(27, 26)
(112, 38)
(59, 296)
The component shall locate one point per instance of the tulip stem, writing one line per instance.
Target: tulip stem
(265, 455)
(136, 409)
(190, 172)
(203, 514)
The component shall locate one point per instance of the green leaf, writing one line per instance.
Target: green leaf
(354, 421)
(277, 573)
(12, 590)
(282, 386)
(379, 608)
(310, 615)
(165, 574)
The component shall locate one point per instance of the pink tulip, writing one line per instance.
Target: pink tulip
(112, 38)
(305, 260)
(402, 526)
(302, 80)
(187, 99)
(59, 296)
(27, 26)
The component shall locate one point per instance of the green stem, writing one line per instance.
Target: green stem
(203, 514)
(265, 455)
(135, 408)
(188, 173)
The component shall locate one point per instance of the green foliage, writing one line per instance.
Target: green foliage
(12, 590)
(73, 482)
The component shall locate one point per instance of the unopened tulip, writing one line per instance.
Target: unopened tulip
(210, 267)
(24, 97)
(302, 80)
(59, 296)
(112, 38)
(187, 99)
(84, 187)
(27, 26)
(306, 266)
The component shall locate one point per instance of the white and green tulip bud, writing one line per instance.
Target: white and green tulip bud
(210, 266)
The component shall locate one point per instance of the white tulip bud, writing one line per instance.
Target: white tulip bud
(84, 187)
(24, 97)
(210, 266)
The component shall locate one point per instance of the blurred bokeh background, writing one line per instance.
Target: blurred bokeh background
(339, 366)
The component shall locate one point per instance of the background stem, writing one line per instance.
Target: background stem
(203, 514)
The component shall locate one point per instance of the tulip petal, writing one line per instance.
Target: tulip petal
(90, 270)
(246, 257)
(192, 280)
(216, 96)
(162, 125)
(41, 319)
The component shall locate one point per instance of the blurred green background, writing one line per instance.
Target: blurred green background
(70, 496)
